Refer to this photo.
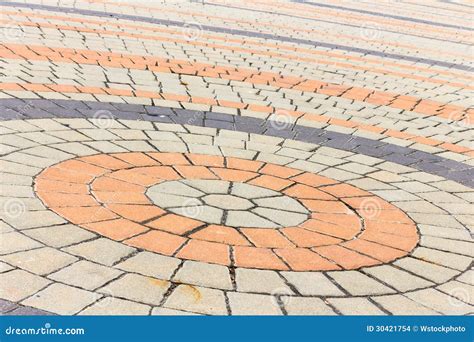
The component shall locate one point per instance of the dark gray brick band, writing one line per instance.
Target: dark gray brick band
(238, 32)
(11, 109)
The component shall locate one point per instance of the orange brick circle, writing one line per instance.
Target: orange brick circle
(348, 227)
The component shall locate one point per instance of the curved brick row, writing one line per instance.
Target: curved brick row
(436, 268)
(423, 161)
(116, 206)
(242, 33)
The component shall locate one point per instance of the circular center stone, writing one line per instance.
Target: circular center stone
(228, 203)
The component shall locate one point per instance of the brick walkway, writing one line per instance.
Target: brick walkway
(247, 157)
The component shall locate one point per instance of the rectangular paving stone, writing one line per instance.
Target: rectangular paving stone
(171, 312)
(18, 284)
(355, 306)
(440, 302)
(102, 251)
(262, 281)
(150, 264)
(137, 288)
(40, 261)
(312, 284)
(61, 299)
(306, 306)
(116, 307)
(197, 299)
(85, 274)
(463, 292)
(435, 273)
(457, 247)
(398, 279)
(401, 305)
(14, 242)
(253, 304)
(446, 259)
(34, 219)
(203, 274)
(357, 283)
(59, 236)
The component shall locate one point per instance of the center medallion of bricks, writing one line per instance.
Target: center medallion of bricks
(227, 211)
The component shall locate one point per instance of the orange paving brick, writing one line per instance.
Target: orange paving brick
(56, 199)
(304, 238)
(119, 229)
(135, 212)
(302, 259)
(159, 172)
(136, 159)
(80, 215)
(375, 250)
(279, 171)
(106, 161)
(46, 185)
(175, 224)
(390, 240)
(271, 182)
(157, 241)
(268, 238)
(347, 232)
(346, 258)
(195, 172)
(216, 253)
(344, 190)
(333, 207)
(169, 158)
(112, 184)
(121, 197)
(243, 164)
(307, 192)
(252, 257)
(312, 179)
(135, 177)
(221, 234)
(205, 160)
(233, 175)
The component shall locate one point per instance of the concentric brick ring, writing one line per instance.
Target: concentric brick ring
(107, 194)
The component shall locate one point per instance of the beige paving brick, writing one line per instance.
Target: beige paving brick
(150, 264)
(61, 299)
(116, 307)
(102, 251)
(197, 299)
(137, 288)
(85, 274)
(203, 274)
(17, 285)
(40, 261)
(253, 304)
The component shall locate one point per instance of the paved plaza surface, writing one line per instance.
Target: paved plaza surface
(236, 157)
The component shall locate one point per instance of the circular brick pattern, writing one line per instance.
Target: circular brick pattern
(110, 195)
(232, 204)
